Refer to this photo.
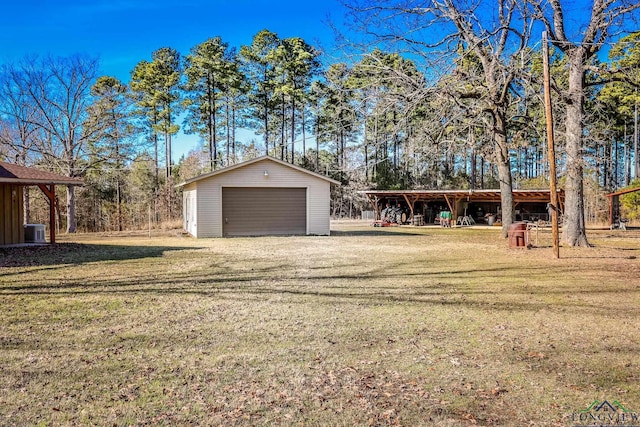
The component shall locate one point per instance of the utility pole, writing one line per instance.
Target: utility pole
(635, 140)
(553, 204)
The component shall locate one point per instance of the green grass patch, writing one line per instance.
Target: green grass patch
(398, 326)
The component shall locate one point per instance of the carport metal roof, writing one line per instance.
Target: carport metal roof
(452, 197)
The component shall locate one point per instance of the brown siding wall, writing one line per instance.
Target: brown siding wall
(11, 213)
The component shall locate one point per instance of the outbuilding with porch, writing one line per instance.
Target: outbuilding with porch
(13, 180)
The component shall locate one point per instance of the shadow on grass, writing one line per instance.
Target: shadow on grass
(263, 284)
(376, 231)
(565, 254)
(77, 253)
(437, 295)
(453, 232)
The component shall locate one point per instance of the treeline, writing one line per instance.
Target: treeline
(463, 117)
(58, 113)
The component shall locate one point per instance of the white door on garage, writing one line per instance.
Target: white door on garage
(264, 211)
(189, 215)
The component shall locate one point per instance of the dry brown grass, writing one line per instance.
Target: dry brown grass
(399, 326)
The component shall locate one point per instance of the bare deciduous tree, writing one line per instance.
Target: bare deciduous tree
(18, 134)
(497, 39)
(604, 20)
(59, 90)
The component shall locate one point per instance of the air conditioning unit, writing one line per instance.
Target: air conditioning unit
(34, 233)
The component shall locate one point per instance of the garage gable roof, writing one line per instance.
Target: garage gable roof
(22, 175)
(252, 161)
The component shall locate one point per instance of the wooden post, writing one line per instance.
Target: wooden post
(636, 163)
(611, 200)
(550, 144)
(50, 192)
(52, 214)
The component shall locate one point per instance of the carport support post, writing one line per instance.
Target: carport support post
(410, 203)
(453, 207)
(50, 192)
(611, 201)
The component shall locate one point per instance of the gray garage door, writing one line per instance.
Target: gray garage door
(264, 211)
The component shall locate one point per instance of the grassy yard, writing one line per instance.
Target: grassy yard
(371, 326)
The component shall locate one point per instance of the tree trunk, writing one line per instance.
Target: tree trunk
(167, 139)
(26, 206)
(211, 125)
(156, 178)
(214, 141)
(504, 170)
(473, 167)
(71, 209)
(266, 126)
(227, 116)
(574, 229)
(636, 161)
(627, 158)
(293, 128)
(374, 170)
(119, 203)
(616, 166)
(366, 161)
(282, 128)
(233, 133)
(317, 149)
(304, 136)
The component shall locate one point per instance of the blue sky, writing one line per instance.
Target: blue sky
(121, 33)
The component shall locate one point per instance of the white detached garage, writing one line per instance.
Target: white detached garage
(263, 196)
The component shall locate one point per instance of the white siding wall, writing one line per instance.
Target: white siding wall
(209, 192)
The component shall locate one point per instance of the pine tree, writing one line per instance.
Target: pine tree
(112, 142)
(206, 70)
(257, 65)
